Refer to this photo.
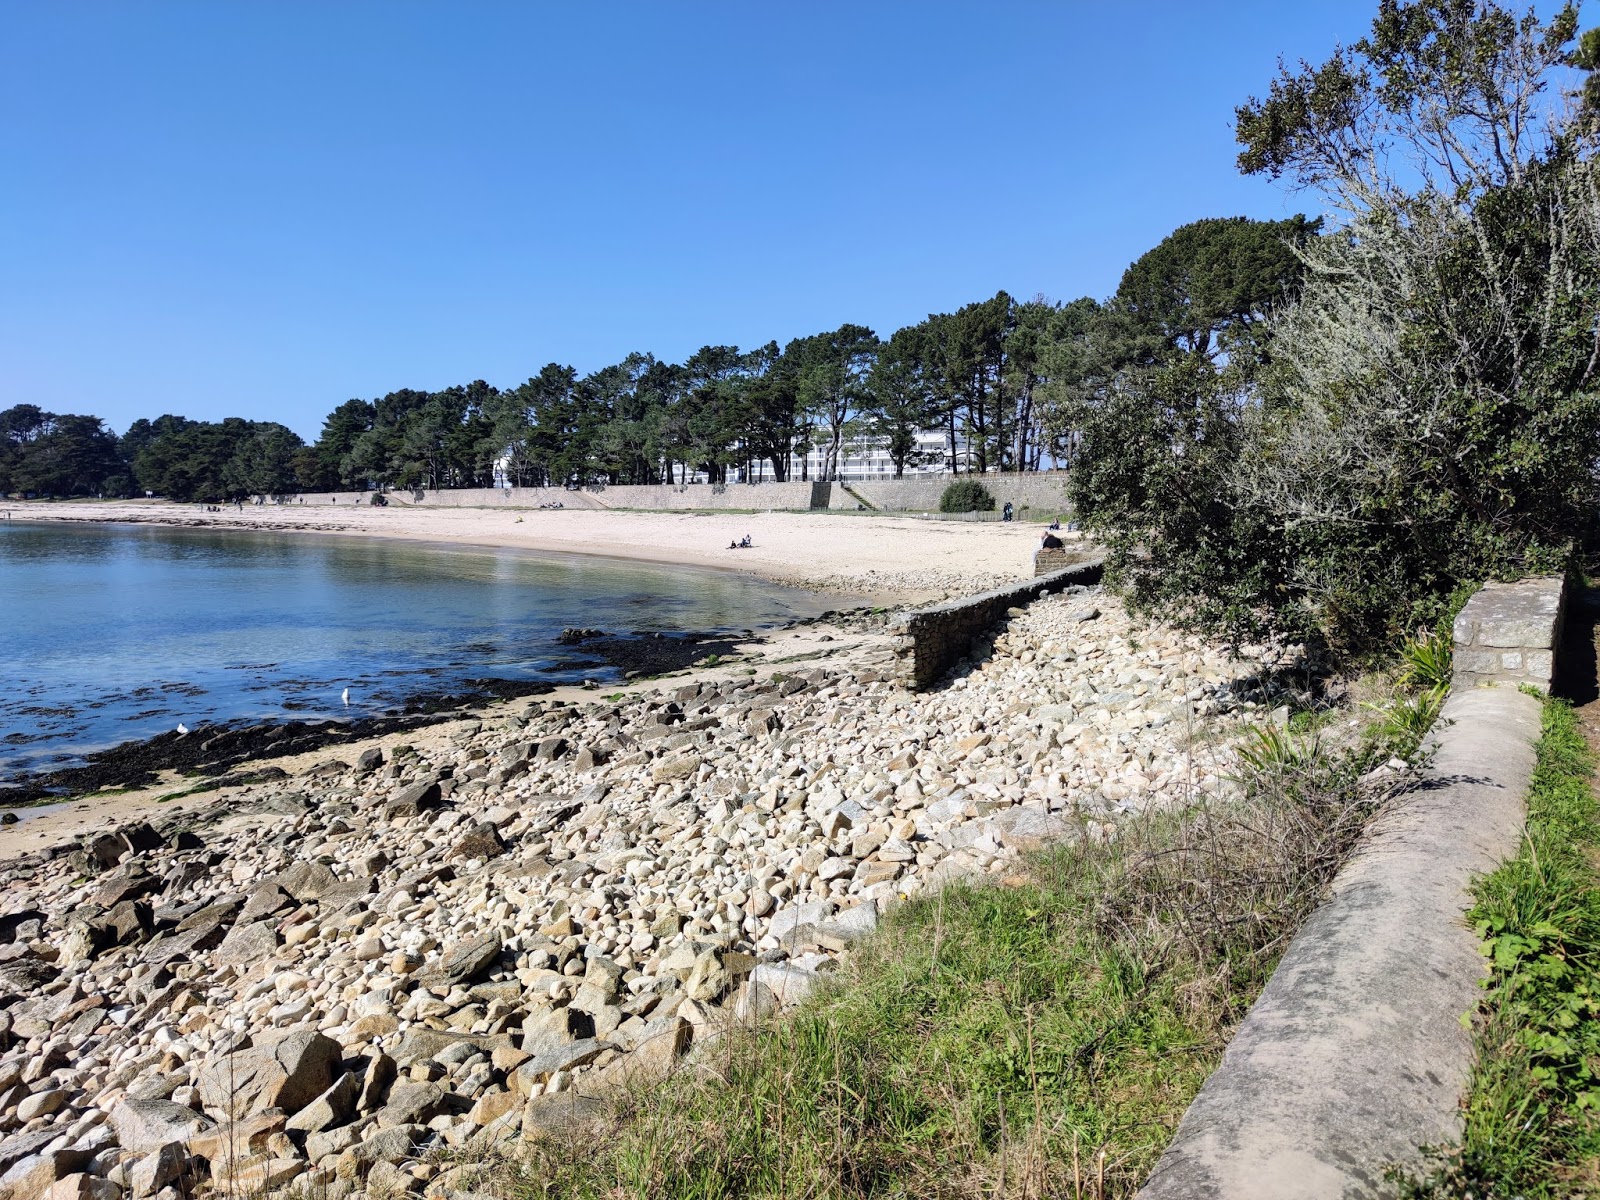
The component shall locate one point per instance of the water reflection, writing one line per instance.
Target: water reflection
(115, 632)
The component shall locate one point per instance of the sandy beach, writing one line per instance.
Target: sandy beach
(883, 557)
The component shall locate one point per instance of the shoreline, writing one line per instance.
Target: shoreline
(911, 560)
(844, 643)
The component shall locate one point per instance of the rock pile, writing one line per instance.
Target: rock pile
(451, 942)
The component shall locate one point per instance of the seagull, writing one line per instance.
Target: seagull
(182, 728)
(345, 696)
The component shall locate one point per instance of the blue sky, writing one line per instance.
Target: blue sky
(265, 209)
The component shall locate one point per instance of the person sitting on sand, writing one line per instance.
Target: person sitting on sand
(745, 545)
(1051, 542)
(733, 545)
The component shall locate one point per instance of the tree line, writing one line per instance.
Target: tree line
(989, 378)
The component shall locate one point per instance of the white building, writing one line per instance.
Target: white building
(867, 459)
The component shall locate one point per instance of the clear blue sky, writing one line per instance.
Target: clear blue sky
(265, 209)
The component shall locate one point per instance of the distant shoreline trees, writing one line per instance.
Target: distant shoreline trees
(988, 378)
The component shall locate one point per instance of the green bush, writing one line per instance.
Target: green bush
(966, 495)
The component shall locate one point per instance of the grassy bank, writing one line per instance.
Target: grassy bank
(1040, 1035)
(1532, 1121)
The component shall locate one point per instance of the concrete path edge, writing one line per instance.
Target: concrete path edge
(1355, 1055)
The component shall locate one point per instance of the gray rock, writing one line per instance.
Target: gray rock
(307, 881)
(788, 919)
(288, 1075)
(559, 1058)
(157, 1169)
(395, 1144)
(146, 1125)
(481, 841)
(412, 1104)
(334, 1107)
(465, 961)
(414, 800)
(246, 944)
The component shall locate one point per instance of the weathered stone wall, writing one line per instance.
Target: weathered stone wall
(1042, 492)
(1038, 493)
(787, 497)
(1048, 562)
(930, 639)
(1508, 633)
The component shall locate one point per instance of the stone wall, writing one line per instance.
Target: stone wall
(930, 639)
(1041, 492)
(1508, 632)
(1035, 494)
(1354, 1056)
(786, 497)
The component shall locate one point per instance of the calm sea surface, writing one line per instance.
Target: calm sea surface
(110, 632)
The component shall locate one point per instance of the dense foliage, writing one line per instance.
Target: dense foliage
(964, 496)
(1331, 442)
(58, 454)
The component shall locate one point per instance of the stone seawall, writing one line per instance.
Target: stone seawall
(930, 639)
(1041, 492)
(1036, 493)
(786, 497)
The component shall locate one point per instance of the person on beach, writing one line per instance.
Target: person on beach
(1051, 542)
(745, 545)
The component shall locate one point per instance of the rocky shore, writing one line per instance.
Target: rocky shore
(325, 980)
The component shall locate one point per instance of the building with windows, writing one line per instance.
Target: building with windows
(867, 459)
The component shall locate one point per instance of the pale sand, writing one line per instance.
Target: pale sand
(901, 558)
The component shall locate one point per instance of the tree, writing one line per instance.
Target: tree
(974, 364)
(263, 462)
(1333, 456)
(904, 392)
(341, 431)
(47, 454)
(772, 407)
(831, 373)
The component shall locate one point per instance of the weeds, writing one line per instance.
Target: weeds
(1532, 1122)
(1421, 686)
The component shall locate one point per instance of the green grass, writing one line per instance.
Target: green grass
(1037, 1036)
(1532, 1120)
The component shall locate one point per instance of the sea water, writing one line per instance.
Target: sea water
(110, 633)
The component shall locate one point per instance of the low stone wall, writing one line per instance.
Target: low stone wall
(1508, 632)
(1354, 1057)
(786, 497)
(930, 639)
(1048, 562)
(1041, 492)
(1035, 493)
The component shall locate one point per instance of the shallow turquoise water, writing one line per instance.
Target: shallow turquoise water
(115, 632)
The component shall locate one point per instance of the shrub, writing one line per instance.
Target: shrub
(966, 495)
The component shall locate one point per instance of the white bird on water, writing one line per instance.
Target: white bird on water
(182, 728)
(346, 697)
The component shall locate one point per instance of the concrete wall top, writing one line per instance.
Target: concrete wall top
(1354, 1057)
